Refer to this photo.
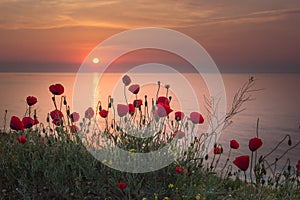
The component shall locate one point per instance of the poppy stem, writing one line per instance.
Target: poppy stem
(125, 95)
(251, 167)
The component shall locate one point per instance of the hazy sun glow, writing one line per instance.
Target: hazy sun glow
(96, 60)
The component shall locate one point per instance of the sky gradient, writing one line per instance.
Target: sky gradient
(241, 36)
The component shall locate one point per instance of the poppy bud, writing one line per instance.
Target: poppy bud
(65, 101)
(206, 157)
(109, 105)
(290, 142)
(100, 108)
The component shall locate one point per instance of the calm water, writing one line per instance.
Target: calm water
(277, 105)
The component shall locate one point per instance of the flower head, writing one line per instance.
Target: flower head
(163, 100)
(89, 113)
(74, 117)
(16, 124)
(28, 122)
(31, 100)
(56, 89)
(217, 150)
(122, 109)
(137, 103)
(74, 128)
(126, 80)
(163, 110)
(21, 139)
(234, 144)
(134, 88)
(196, 118)
(255, 143)
(131, 109)
(56, 116)
(103, 113)
(179, 116)
(122, 185)
(179, 170)
(298, 168)
(242, 162)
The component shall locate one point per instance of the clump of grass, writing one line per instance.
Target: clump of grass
(52, 162)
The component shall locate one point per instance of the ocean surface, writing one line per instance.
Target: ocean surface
(277, 105)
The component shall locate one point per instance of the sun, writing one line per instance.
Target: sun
(96, 60)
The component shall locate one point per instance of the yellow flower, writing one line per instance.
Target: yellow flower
(170, 185)
(198, 196)
(166, 198)
(104, 161)
(110, 162)
(144, 198)
(132, 150)
(155, 196)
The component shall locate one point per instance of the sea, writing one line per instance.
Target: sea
(275, 101)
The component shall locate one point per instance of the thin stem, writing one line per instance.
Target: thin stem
(251, 167)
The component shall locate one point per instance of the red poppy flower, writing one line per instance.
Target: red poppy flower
(56, 89)
(28, 122)
(179, 170)
(36, 121)
(103, 113)
(255, 143)
(179, 116)
(122, 109)
(126, 80)
(74, 129)
(89, 113)
(56, 116)
(217, 150)
(31, 100)
(163, 100)
(122, 185)
(137, 103)
(16, 124)
(180, 134)
(163, 110)
(196, 118)
(242, 162)
(234, 144)
(21, 139)
(74, 117)
(134, 88)
(298, 168)
(131, 109)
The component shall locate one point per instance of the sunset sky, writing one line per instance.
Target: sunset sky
(240, 36)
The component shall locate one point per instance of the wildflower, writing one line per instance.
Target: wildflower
(134, 88)
(137, 103)
(179, 170)
(170, 185)
(234, 144)
(103, 113)
(122, 110)
(198, 196)
(74, 117)
(180, 134)
(217, 150)
(132, 150)
(89, 113)
(126, 80)
(28, 122)
(16, 124)
(122, 185)
(56, 89)
(163, 100)
(31, 100)
(298, 168)
(254, 144)
(166, 198)
(131, 109)
(21, 139)
(74, 128)
(155, 196)
(144, 198)
(179, 116)
(36, 121)
(163, 110)
(196, 118)
(242, 162)
(56, 116)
